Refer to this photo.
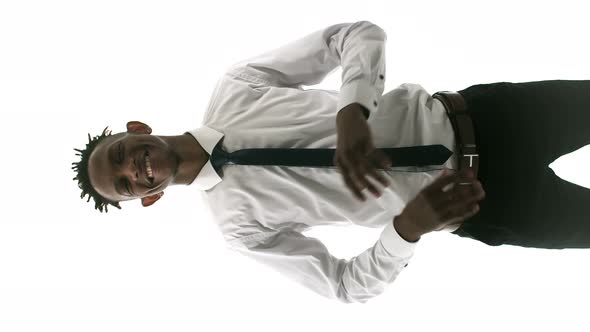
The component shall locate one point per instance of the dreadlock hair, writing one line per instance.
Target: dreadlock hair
(81, 168)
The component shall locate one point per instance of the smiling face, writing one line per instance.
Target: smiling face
(119, 167)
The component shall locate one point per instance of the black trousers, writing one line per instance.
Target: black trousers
(520, 128)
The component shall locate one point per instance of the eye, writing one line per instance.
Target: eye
(127, 186)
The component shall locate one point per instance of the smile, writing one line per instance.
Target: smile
(148, 166)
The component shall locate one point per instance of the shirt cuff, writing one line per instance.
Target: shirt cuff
(359, 92)
(395, 244)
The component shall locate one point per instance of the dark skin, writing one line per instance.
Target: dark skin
(179, 159)
(432, 209)
(174, 160)
(117, 170)
(356, 155)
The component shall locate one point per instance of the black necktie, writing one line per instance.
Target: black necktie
(408, 156)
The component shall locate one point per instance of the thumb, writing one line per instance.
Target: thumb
(383, 159)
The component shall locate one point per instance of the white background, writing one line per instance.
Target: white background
(69, 68)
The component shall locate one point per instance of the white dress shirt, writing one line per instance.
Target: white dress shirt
(262, 210)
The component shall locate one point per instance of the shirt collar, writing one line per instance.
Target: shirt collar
(208, 139)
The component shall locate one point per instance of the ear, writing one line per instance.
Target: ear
(149, 200)
(137, 127)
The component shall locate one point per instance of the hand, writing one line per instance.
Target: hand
(355, 154)
(434, 209)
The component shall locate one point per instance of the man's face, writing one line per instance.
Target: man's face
(118, 169)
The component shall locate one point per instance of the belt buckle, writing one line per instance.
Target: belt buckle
(462, 154)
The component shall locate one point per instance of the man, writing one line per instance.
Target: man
(262, 207)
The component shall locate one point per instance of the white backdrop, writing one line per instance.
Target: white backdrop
(68, 68)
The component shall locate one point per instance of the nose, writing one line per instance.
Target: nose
(131, 170)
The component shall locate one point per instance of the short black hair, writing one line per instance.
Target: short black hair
(81, 168)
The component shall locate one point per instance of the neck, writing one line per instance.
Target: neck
(192, 157)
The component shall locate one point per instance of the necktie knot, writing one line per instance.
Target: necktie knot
(219, 157)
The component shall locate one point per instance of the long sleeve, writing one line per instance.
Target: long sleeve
(358, 47)
(307, 261)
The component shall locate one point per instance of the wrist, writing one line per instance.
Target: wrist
(405, 229)
(354, 109)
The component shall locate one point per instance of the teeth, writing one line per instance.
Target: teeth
(148, 167)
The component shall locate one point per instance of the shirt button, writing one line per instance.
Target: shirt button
(375, 102)
(381, 76)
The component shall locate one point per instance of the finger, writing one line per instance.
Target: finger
(462, 198)
(348, 180)
(353, 186)
(455, 201)
(450, 178)
(379, 177)
(471, 193)
(470, 212)
(384, 162)
(471, 203)
(366, 167)
(382, 159)
(357, 169)
(480, 191)
(372, 171)
(446, 177)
